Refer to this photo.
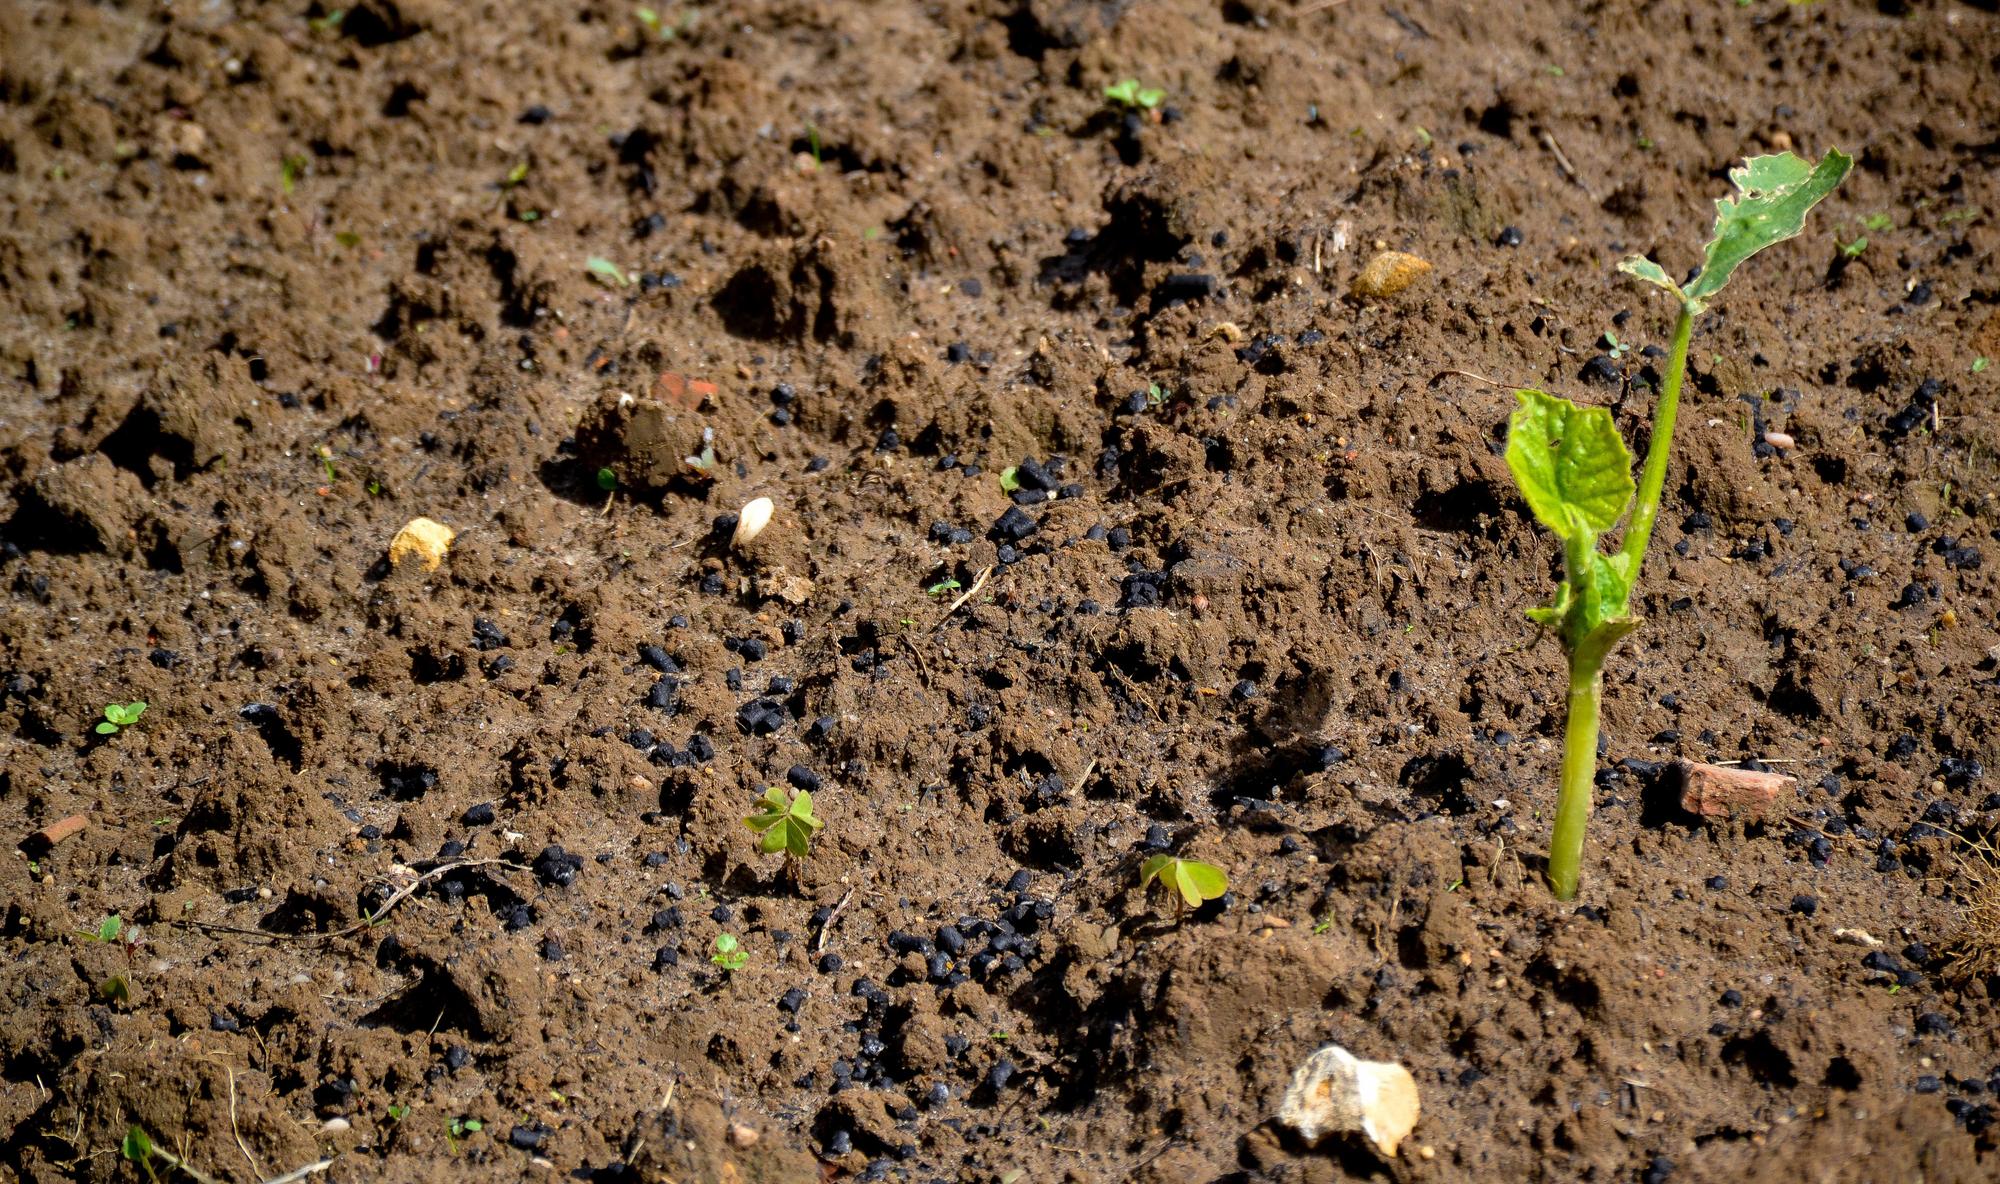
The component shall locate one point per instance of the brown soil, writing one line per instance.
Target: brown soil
(276, 284)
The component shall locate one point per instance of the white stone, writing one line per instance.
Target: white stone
(1335, 1091)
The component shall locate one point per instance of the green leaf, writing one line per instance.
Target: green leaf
(1569, 462)
(787, 826)
(607, 272)
(1010, 479)
(107, 729)
(1775, 194)
(1194, 880)
(109, 929)
(137, 1146)
(1652, 273)
(1199, 881)
(607, 480)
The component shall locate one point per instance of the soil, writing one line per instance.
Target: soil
(423, 869)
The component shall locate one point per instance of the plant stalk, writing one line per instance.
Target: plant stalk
(1579, 775)
(1653, 477)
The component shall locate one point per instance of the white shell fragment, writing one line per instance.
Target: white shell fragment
(421, 539)
(751, 521)
(1335, 1091)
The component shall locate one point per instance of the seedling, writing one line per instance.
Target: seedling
(290, 170)
(1853, 249)
(1877, 223)
(704, 464)
(456, 1129)
(515, 176)
(787, 826)
(607, 273)
(948, 584)
(1575, 473)
(137, 1147)
(1980, 364)
(607, 480)
(1127, 92)
(1616, 348)
(1195, 881)
(1010, 479)
(107, 930)
(729, 952)
(120, 715)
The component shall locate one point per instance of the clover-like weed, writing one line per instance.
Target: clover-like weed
(786, 825)
(729, 953)
(1195, 882)
(120, 715)
(1127, 92)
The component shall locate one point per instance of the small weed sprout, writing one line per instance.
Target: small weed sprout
(729, 953)
(1194, 881)
(456, 1129)
(786, 826)
(704, 464)
(138, 1147)
(107, 930)
(948, 584)
(120, 715)
(605, 272)
(1575, 473)
(1127, 93)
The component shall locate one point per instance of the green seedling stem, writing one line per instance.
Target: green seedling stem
(1575, 473)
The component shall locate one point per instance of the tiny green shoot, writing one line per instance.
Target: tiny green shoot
(115, 990)
(1127, 93)
(330, 23)
(1575, 473)
(515, 175)
(812, 138)
(607, 273)
(1853, 249)
(107, 930)
(347, 238)
(1010, 479)
(120, 715)
(456, 1129)
(398, 1111)
(651, 19)
(1194, 880)
(1322, 925)
(290, 170)
(1980, 364)
(786, 826)
(1617, 348)
(607, 480)
(729, 952)
(1877, 223)
(948, 584)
